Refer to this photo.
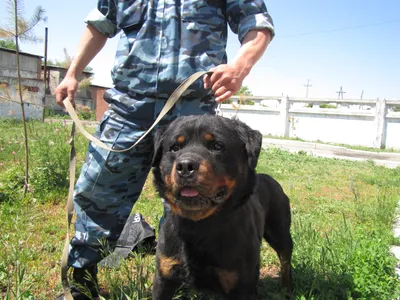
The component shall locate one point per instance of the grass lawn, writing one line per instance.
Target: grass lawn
(342, 214)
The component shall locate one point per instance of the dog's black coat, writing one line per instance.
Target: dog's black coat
(204, 167)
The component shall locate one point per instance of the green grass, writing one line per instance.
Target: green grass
(342, 217)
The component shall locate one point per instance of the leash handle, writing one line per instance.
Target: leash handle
(70, 212)
(167, 107)
(72, 162)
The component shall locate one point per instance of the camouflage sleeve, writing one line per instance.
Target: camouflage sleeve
(246, 15)
(103, 18)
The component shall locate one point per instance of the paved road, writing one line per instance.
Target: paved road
(388, 159)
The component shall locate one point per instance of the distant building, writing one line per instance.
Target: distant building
(97, 93)
(91, 96)
(35, 95)
(33, 86)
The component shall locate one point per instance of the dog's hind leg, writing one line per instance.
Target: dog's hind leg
(281, 241)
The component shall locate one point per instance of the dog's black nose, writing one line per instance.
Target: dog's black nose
(186, 167)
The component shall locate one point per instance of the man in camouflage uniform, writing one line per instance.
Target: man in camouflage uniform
(162, 43)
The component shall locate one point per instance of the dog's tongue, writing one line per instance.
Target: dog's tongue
(189, 192)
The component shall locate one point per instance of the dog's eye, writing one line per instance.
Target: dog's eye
(175, 148)
(217, 146)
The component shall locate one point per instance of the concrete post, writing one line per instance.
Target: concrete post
(285, 105)
(380, 124)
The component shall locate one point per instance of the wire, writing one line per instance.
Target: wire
(339, 29)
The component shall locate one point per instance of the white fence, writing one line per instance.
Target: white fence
(371, 123)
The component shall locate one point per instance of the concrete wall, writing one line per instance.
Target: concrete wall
(13, 110)
(30, 65)
(9, 99)
(51, 103)
(33, 92)
(372, 123)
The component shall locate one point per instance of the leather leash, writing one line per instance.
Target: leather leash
(72, 162)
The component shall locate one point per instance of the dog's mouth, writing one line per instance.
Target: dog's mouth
(196, 198)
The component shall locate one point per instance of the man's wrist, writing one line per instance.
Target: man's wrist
(243, 65)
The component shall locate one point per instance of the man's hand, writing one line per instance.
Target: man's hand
(92, 41)
(225, 81)
(67, 88)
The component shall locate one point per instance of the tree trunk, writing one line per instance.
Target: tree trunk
(21, 100)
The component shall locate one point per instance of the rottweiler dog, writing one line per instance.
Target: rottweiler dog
(204, 167)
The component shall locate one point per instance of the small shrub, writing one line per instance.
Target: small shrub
(249, 102)
(327, 105)
(85, 113)
(50, 113)
(11, 184)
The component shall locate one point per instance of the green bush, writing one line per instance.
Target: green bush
(326, 105)
(85, 113)
(50, 113)
(11, 184)
(49, 160)
(344, 263)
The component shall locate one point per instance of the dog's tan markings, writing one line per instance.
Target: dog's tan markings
(208, 136)
(190, 214)
(227, 279)
(175, 208)
(168, 180)
(166, 264)
(181, 139)
(205, 173)
(197, 216)
(172, 176)
(230, 185)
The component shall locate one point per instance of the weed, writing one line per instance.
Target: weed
(342, 214)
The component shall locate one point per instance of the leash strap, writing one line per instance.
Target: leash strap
(72, 162)
(167, 107)
(70, 212)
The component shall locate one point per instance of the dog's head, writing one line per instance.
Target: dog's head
(202, 162)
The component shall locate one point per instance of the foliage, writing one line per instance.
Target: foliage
(8, 44)
(244, 91)
(327, 105)
(53, 114)
(49, 160)
(85, 113)
(342, 214)
(25, 32)
(22, 29)
(66, 62)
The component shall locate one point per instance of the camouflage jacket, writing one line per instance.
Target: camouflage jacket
(164, 41)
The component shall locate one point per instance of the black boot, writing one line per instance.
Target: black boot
(83, 285)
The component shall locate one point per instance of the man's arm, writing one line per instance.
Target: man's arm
(92, 41)
(227, 79)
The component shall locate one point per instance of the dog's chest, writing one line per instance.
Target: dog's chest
(216, 265)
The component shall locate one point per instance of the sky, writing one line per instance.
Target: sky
(353, 44)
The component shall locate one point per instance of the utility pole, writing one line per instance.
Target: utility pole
(362, 94)
(308, 85)
(45, 79)
(340, 93)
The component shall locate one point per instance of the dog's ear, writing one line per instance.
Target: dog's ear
(252, 139)
(158, 149)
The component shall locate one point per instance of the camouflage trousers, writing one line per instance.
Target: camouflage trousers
(111, 182)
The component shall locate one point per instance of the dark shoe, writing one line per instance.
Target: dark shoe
(84, 284)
